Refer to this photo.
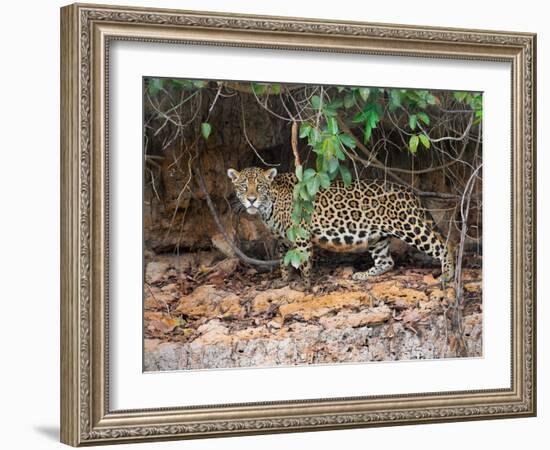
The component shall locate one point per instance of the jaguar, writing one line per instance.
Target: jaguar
(362, 216)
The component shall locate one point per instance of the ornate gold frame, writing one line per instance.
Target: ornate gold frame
(86, 31)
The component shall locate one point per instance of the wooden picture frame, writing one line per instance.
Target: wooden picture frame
(86, 34)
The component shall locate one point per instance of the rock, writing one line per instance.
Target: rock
(411, 317)
(274, 324)
(474, 287)
(213, 332)
(233, 324)
(158, 300)
(430, 280)
(207, 301)
(266, 300)
(180, 262)
(314, 307)
(252, 333)
(298, 343)
(344, 319)
(451, 295)
(438, 295)
(394, 292)
(165, 324)
(150, 344)
(152, 315)
(156, 271)
(170, 288)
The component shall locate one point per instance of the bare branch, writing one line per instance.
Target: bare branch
(250, 143)
(294, 144)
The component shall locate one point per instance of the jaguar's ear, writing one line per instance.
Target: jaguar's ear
(233, 174)
(270, 174)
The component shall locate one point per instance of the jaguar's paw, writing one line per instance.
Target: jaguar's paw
(360, 276)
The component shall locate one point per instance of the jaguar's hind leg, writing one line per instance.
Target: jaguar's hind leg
(424, 238)
(383, 262)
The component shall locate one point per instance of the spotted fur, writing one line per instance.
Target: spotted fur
(356, 218)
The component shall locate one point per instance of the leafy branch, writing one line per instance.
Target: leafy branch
(340, 130)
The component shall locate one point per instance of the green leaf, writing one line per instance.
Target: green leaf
(308, 207)
(296, 191)
(364, 93)
(299, 172)
(319, 162)
(328, 147)
(276, 88)
(304, 193)
(296, 259)
(349, 101)
(314, 136)
(374, 119)
(368, 132)
(309, 173)
(460, 96)
(412, 121)
(324, 179)
(199, 83)
(339, 153)
(346, 175)
(206, 129)
(301, 232)
(424, 117)
(361, 116)
(313, 186)
(332, 125)
(291, 234)
(430, 99)
(288, 256)
(291, 256)
(316, 102)
(305, 129)
(347, 140)
(395, 99)
(259, 88)
(179, 83)
(333, 164)
(413, 143)
(335, 104)
(155, 85)
(425, 140)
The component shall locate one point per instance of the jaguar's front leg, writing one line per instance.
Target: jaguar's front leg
(306, 247)
(285, 270)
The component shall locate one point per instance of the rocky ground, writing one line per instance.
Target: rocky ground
(202, 313)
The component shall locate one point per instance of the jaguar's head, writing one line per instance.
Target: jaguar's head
(252, 186)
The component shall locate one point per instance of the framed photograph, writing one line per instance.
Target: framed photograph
(276, 224)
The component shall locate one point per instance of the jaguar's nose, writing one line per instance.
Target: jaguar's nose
(251, 198)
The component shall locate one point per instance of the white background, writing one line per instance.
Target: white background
(29, 125)
(132, 389)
